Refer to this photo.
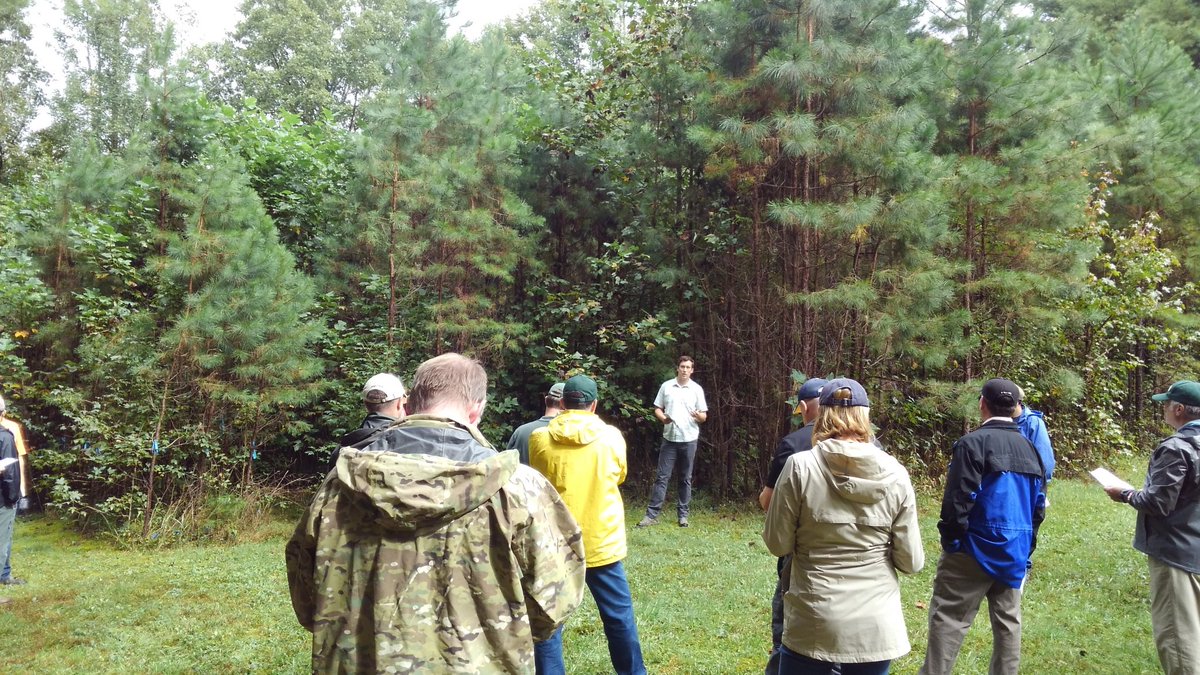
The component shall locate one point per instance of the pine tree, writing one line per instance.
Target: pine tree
(442, 222)
(816, 134)
(1144, 92)
(1015, 192)
(241, 340)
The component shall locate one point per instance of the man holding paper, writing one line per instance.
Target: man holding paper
(1168, 530)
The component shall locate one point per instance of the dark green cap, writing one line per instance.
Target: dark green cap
(580, 389)
(1183, 391)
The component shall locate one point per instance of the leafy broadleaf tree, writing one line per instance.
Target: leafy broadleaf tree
(107, 46)
(21, 82)
(311, 57)
(1132, 321)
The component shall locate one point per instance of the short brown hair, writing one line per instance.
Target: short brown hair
(684, 357)
(448, 378)
(848, 423)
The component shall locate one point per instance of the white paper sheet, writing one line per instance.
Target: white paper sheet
(1109, 479)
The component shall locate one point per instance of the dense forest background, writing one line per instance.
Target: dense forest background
(207, 251)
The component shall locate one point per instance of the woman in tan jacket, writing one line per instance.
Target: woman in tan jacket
(847, 514)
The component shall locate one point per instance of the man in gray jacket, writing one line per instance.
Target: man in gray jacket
(1168, 530)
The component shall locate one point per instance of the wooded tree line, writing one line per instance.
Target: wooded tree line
(208, 250)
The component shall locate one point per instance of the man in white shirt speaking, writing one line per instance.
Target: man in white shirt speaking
(681, 408)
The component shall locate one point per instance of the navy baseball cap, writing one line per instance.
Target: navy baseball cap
(844, 392)
(810, 389)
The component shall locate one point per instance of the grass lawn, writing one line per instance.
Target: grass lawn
(702, 597)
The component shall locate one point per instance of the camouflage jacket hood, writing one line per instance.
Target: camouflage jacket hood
(408, 493)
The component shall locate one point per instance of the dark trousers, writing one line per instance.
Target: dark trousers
(783, 578)
(791, 663)
(671, 454)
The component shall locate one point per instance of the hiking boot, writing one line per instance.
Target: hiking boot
(12, 581)
(648, 522)
(683, 521)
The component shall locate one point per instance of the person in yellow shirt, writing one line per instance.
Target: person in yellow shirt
(584, 458)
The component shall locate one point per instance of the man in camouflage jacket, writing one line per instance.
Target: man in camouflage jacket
(428, 551)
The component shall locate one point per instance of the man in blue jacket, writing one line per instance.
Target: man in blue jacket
(992, 507)
(1032, 425)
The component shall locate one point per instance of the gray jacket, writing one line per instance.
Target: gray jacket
(1168, 506)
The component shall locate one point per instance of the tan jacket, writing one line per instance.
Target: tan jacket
(847, 514)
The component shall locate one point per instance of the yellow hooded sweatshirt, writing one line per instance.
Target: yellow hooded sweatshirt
(584, 458)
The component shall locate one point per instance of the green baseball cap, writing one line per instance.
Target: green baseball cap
(1183, 391)
(580, 389)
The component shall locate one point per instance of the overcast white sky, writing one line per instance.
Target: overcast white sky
(200, 21)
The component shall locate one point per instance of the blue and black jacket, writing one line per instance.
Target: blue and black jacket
(10, 478)
(994, 501)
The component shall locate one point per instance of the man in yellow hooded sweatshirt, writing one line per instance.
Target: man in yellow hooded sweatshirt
(584, 458)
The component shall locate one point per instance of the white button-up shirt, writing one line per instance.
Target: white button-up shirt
(679, 401)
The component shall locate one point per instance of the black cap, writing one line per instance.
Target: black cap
(1001, 393)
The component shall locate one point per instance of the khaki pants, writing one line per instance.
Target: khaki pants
(1175, 616)
(958, 588)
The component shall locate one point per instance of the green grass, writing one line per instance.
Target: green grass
(702, 597)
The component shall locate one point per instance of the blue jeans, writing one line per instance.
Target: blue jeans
(610, 590)
(8, 518)
(791, 663)
(670, 454)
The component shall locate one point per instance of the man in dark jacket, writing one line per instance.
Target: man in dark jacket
(992, 507)
(384, 397)
(10, 494)
(1168, 530)
(800, 440)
